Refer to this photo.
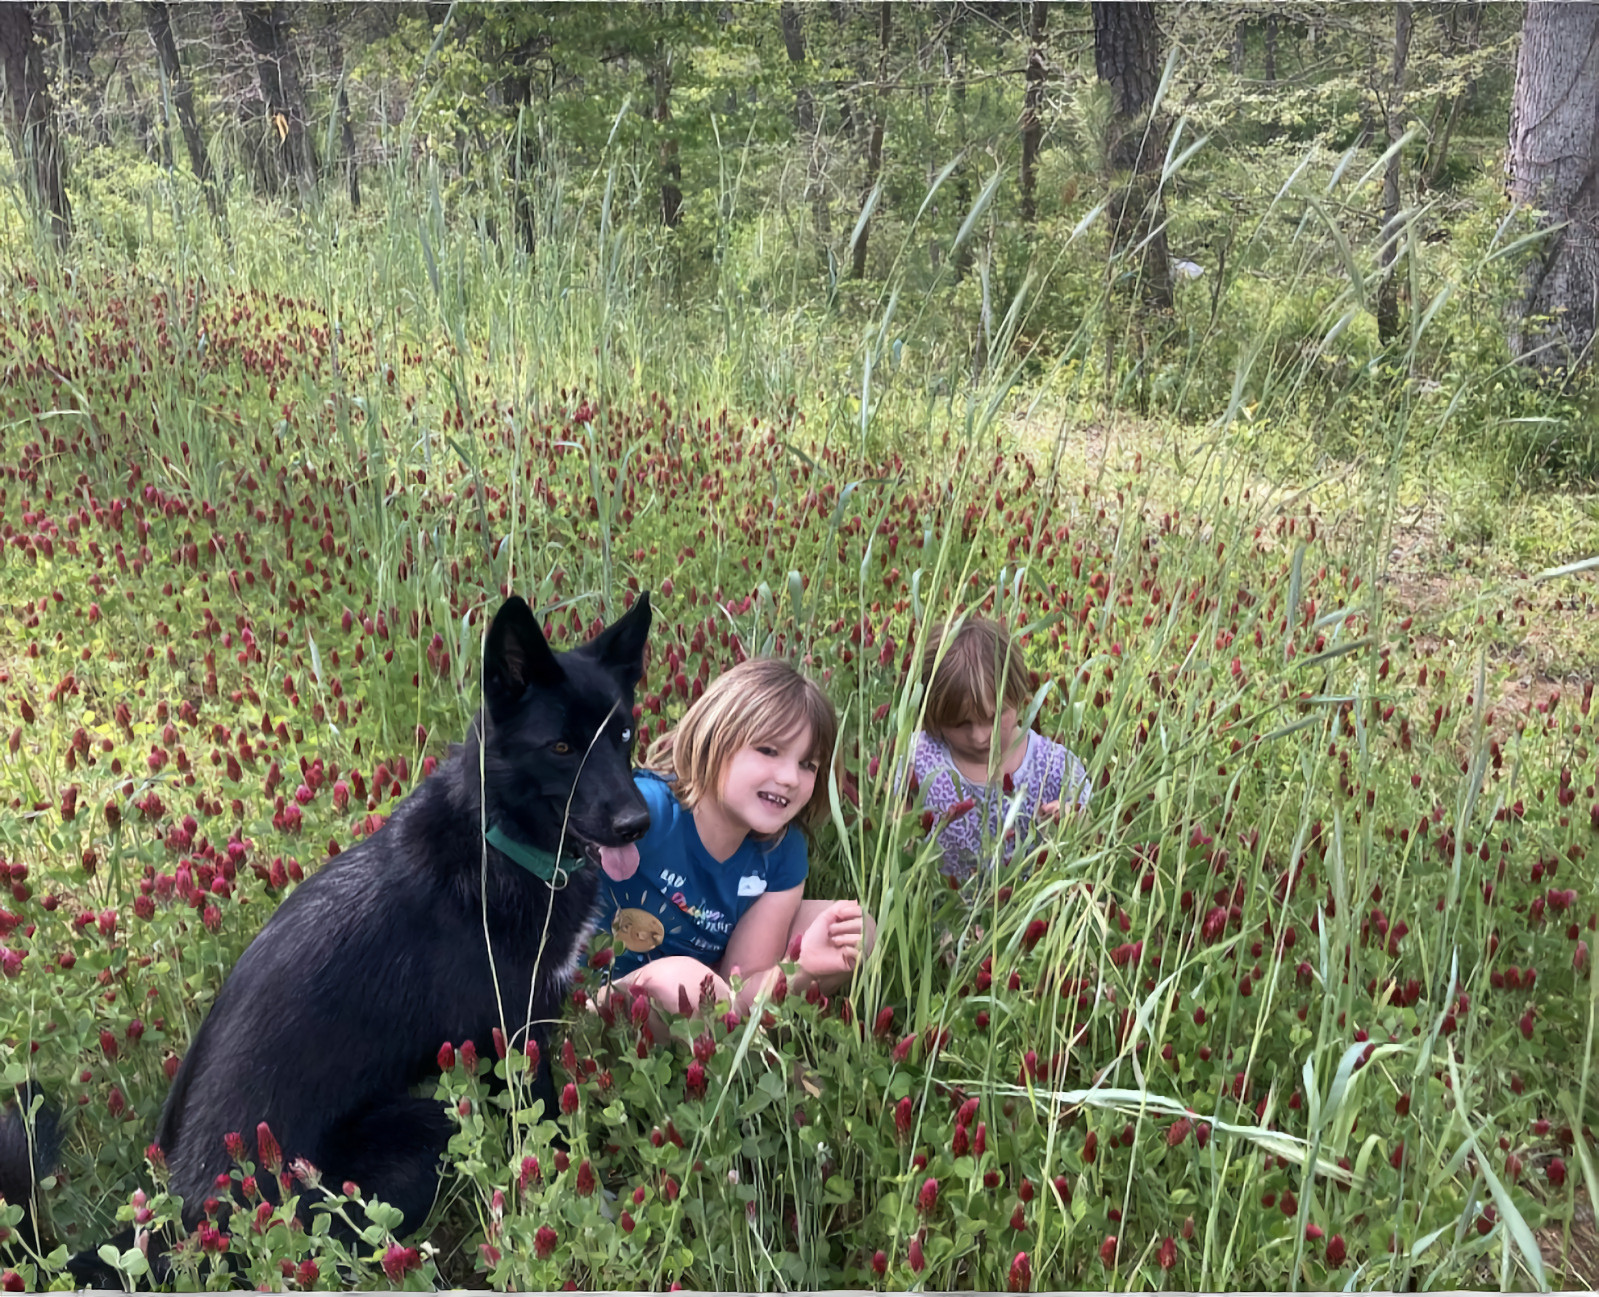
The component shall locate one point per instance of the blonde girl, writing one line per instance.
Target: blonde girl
(717, 885)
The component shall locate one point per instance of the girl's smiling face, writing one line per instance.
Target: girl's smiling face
(767, 783)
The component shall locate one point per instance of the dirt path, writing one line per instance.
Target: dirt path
(1449, 560)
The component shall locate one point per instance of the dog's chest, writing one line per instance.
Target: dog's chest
(561, 977)
(546, 936)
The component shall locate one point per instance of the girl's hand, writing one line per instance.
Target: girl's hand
(673, 984)
(1049, 810)
(831, 946)
(619, 863)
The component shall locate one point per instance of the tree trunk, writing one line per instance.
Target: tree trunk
(158, 18)
(1127, 58)
(874, 142)
(84, 24)
(1438, 145)
(1554, 169)
(963, 172)
(77, 31)
(788, 15)
(79, 39)
(1388, 286)
(1240, 47)
(525, 160)
(806, 120)
(1032, 117)
(266, 26)
(346, 130)
(1269, 42)
(671, 167)
(30, 114)
(519, 93)
(846, 111)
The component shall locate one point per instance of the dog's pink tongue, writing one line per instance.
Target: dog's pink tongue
(620, 863)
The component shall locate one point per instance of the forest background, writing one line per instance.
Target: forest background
(1234, 354)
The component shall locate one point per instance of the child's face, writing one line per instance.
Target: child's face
(768, 782)
(970, 740)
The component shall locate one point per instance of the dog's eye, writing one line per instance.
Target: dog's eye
(627, 736)
(561, 749)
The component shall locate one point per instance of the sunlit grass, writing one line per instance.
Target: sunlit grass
(340, 438)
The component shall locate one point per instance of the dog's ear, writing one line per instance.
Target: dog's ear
(620, 646)
(517, 656)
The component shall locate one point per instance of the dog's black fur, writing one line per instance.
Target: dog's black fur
(340, 1004)
(24, 1153)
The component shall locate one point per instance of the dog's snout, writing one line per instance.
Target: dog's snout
(632, 825)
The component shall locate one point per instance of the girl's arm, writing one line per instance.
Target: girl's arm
(1068, 793)
(759, 941)
(830, 945)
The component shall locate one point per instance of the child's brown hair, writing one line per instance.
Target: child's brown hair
(965, 670)
(761, 699)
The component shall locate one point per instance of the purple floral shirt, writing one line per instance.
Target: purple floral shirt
(1048, 773)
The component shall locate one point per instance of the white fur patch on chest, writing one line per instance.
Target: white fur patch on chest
(561, 978)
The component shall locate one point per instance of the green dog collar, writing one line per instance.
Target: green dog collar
(544, 865)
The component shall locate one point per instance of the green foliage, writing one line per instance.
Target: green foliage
(1266, 1005)
(241, 636)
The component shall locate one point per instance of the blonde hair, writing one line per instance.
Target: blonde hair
(979, 664)
(758, 700)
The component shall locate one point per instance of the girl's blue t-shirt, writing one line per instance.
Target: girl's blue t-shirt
(682, 900)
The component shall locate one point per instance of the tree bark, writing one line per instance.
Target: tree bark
(1127, 58)
(1388, 285)
(525, 172)
(1032, 114)
(1269, 44)
(1554, 169)
(266, 26)
(77, 29)
(956, 72)
(352, 175)
(79, 22)
(874, 142)
(30, 114)
(849, 115)
(671, 167)
(788, 16)
(519, 90)
(1438, 145)
(158, 18)
(806, 119)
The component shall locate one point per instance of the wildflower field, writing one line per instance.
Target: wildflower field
(1305, 999)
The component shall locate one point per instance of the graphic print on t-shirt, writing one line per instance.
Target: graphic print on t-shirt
(643, 918)
(638, 930)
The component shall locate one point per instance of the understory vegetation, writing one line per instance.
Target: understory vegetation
(1305, 999)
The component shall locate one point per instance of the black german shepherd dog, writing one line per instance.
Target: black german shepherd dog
(420, 934)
